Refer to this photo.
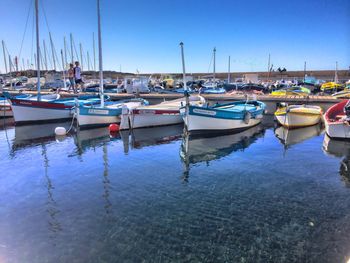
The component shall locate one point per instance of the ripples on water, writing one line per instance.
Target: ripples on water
(263, 195)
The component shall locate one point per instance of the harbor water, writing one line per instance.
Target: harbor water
(263, 195)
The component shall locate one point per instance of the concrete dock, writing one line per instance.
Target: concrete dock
(271, 101)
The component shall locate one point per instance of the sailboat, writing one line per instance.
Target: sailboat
(211, 86)
(162, 114)
(43, 108)
(105, 113)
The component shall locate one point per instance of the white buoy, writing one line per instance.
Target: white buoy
(60, 131)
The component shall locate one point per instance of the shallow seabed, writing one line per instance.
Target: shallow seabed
(264, 195)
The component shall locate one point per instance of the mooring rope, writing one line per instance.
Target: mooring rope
(71, 125)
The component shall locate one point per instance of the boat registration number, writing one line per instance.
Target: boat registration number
(95, 111)
(206, 112)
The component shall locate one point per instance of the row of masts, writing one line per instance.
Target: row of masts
(269, 68)
(69, 56)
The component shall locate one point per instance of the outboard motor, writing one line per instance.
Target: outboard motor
(281, 105)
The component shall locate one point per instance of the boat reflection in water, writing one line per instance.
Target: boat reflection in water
(205, 149)
(340, 149)
(92, 138)
(29, 135)
(140, 138)
(289, 137)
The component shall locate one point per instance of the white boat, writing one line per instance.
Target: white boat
(49, 108)
(165, 113)
(337, 120)
(295, 116)
(229, 117)
(98, 115)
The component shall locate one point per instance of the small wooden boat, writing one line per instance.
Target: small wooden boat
(292, 91)
(331, 86)
(165, 113)
(48, 109)
(337, 120)
(97, 115)
(221, 118)
(295, 116)
(342, 94)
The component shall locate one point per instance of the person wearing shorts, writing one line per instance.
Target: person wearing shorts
(77, 76)
(71, 77)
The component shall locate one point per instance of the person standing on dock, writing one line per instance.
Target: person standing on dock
(71, 77)
(77, 76)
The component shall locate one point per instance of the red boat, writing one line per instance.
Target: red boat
(337, 120)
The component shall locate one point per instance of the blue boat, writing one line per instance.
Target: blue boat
(229, 117)
(102, 115)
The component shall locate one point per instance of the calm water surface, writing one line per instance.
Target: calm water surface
(264, 195)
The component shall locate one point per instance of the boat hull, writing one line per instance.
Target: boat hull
(295, 120)
(336, 124)
(210, 120)
(89, 117)
(27, 111)
(144, 118)
(200, 124)
(337, 130)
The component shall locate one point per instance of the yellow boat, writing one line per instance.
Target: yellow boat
(295, 116)
(292, 91)
(329, 86)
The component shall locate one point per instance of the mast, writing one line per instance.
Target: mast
(71, 48)
(81, 56)
(100, 53)
(229, 70)
(183, 66)
(65, 50)
(10, 70)
(41, 58)
(93, 43)
(16, 63)
(3, 50)
(268, 67)
(336, 72)
(304, 70)
(88, 60)
(45, 54)
(53, 52)
(24, 66)
(214, 51)
(185, 85)
(37, 46)
(63, 71)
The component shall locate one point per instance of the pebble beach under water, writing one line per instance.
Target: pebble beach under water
(263, 195)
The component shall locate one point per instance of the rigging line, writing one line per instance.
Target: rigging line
(48, 27)
(46, 21)
(31, 51)
(25, 28)
(75, 49)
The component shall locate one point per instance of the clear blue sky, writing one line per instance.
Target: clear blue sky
(145, 35)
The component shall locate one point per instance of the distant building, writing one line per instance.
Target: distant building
(251, 78)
